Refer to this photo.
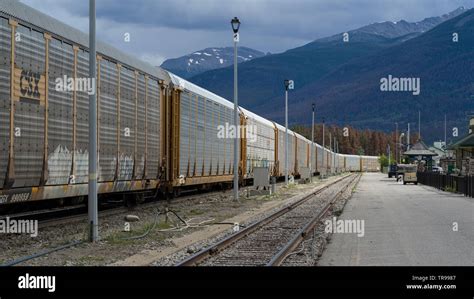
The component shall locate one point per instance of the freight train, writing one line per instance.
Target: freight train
(156, 131)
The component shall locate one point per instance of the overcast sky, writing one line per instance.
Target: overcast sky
(161, 29)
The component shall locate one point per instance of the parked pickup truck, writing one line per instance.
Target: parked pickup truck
(409, 174)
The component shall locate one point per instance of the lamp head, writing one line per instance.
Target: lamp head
(235, 24)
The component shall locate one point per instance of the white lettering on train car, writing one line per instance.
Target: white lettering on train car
(20, 197)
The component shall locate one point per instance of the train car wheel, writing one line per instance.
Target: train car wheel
(176, 192)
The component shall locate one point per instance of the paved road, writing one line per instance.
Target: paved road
(405, 225)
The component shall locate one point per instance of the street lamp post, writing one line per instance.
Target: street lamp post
(312, 148)
(235, 28)
(401, 144)
(324, 152)
(396, 146)
(92, 198)
(330, 165)
(287, 86)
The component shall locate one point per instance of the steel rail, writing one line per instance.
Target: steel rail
(299, 237)
(226, 242)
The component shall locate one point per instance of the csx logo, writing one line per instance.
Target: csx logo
(29, 84)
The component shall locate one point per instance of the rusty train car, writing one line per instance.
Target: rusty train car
(156, 131)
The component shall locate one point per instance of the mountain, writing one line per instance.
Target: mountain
(208, 59)
(261, 79)
(402, 27)
(352, 95)
(343, 78)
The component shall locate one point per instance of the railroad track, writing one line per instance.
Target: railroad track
(64, 215)
(56, 216)
(270, 240)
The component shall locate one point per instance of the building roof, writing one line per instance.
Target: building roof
(436, 150)
(465, 142)
(419, 149)
(30, 16)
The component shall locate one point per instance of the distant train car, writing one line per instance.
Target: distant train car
(280, 132)
(330, 160)
(352, 162)
(336, 162)
(302, 153)
(370, 163)
(314, 157)
(320, 155)
(340, 164)
(259, 143)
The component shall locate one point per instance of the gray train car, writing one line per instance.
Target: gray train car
(352, 162)
(202, 150)
(329, 162)
(44, 125)
(280, 132)
(314, 157)
(335, 161)
(370, 164)
(302, 152)
(320, 155)
(340, 163)
(259, 143)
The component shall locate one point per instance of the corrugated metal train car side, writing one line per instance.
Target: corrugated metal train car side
(259, 142)
(201, 149)
(44, 129)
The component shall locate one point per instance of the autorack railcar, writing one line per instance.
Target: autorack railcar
(259, 143)
(341, 162)
(199, 153)
(302, 153)
(44, 126)
(370, 164)
(280, 132)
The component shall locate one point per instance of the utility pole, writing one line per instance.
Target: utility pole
(312, 148)
(408, 138)
(235, 28)
(288, 85)
(330, 148)
(388, 148)
(445, 144)
(324, 152)
(92, 198)
(396, 143)
(419, 124)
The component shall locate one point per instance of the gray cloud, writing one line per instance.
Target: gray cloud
(163, 29)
